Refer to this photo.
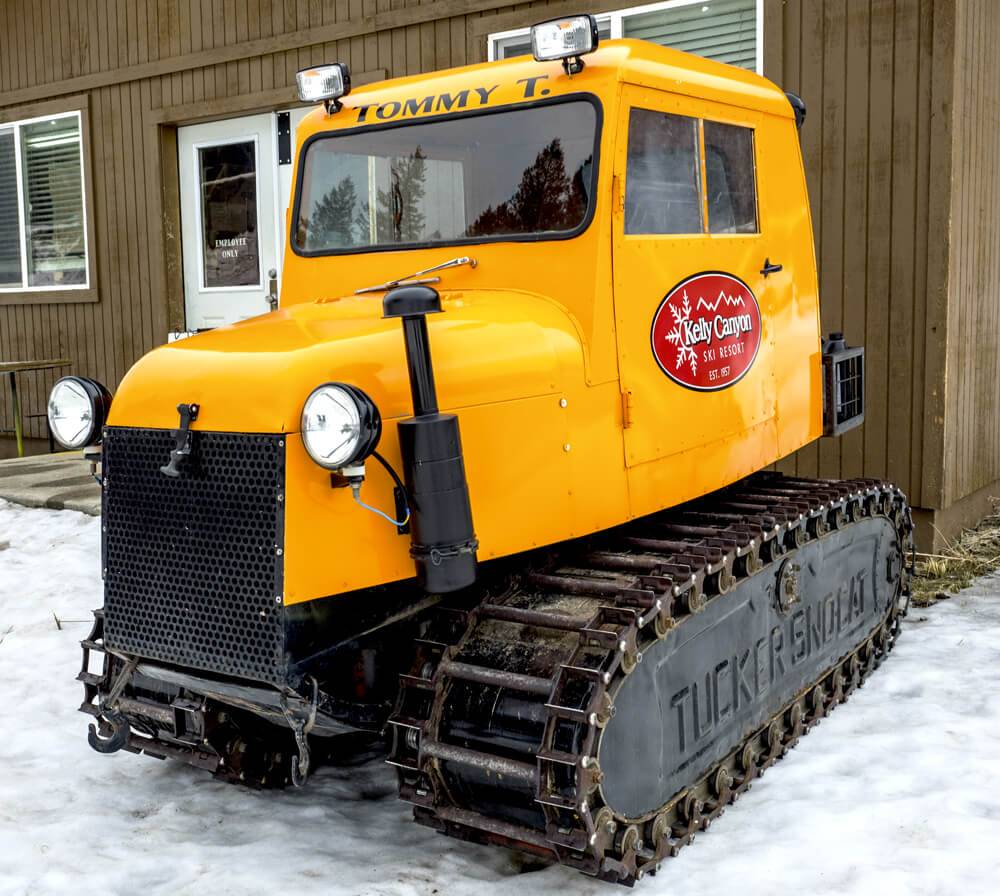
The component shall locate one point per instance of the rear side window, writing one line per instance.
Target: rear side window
(729, 178)
(662, 183)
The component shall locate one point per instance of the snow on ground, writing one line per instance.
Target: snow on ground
(895, 793)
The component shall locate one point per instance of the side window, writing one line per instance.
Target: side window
(662, 180)
(729, 178)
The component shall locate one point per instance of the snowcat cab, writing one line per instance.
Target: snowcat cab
(488, 478)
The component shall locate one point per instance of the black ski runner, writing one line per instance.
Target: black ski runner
(603, 709)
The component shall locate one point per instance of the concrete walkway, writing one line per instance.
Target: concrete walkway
(59, 481)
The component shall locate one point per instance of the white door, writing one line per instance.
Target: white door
(229, 215)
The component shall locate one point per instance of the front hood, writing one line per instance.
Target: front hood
(489, 345)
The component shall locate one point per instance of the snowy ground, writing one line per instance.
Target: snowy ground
(894, 794)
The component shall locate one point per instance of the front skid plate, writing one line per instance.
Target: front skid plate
(724, 672)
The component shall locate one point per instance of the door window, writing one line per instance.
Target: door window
(668, 162)
(230, 253)
(662, 189)
(729, 178)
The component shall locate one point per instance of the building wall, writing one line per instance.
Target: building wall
(876, 79)
(877, 75)
(972, 386)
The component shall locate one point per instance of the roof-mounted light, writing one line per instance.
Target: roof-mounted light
(324, 83)
(567, 39)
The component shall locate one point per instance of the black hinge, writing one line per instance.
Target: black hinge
(284, 138)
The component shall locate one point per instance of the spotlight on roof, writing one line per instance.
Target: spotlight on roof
(568, 39)
(325, 84)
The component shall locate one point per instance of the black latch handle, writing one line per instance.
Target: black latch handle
(183, 441)
(770, 268)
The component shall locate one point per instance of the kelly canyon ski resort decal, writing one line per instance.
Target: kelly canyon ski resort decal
(706, 331)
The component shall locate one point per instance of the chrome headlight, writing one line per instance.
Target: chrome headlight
(340, 425)
(77, 411)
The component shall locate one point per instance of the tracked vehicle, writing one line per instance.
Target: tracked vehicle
(512, 510)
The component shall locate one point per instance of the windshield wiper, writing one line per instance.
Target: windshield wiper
(418, 277)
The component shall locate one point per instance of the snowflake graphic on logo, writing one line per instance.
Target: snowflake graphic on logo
(675, 337)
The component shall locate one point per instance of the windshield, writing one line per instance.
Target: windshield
(515, 173)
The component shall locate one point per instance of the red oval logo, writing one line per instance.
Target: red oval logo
(706, 332)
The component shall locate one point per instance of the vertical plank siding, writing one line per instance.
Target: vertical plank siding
(868, 71)
(972, 389)
(907, 237)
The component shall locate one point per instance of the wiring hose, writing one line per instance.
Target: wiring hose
(356, 489)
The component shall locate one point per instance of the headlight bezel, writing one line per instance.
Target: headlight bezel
(369, 426)
(100, 404)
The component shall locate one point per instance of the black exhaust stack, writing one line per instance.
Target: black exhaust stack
(443, 540)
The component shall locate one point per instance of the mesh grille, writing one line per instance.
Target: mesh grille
(843, 389)
(850, 388)
(192, 563)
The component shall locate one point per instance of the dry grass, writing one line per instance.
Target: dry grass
(975, 553)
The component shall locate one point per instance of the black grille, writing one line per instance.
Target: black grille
(192, 564)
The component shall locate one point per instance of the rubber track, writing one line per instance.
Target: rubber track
(643, 580)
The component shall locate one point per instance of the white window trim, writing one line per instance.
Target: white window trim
(616, 18)
(16, 126)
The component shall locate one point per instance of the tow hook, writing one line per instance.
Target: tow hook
(114, 719)
(301, 719)
(119, 732)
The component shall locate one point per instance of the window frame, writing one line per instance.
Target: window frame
(581, 228)
(16, 119)
(616, 18)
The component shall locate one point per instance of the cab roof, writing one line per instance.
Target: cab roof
(491, 84)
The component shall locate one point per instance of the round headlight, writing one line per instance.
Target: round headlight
(340, 425)
(77, 411)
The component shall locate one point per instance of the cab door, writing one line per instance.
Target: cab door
(691, 257)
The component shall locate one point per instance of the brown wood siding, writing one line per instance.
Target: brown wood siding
(972, 391)
(873, 74)
(877, 77)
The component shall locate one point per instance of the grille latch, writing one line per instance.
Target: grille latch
(184, 442)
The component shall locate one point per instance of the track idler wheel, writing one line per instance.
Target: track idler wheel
(722, 789)
(690, 821)
(794, 720)
(837, 694)
(775, 744)
(817, 706)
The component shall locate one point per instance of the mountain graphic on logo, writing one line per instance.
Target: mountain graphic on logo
(731, 302)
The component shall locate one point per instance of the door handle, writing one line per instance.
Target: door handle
(272, 289)
(770, 268)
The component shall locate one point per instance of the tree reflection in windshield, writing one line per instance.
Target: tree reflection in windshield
(544, 200)
(477, 177)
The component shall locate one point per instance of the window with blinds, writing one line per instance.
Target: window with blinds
(723, 30)
(43, 231)
(10, 214)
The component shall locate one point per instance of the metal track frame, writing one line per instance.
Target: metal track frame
(644, 582)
